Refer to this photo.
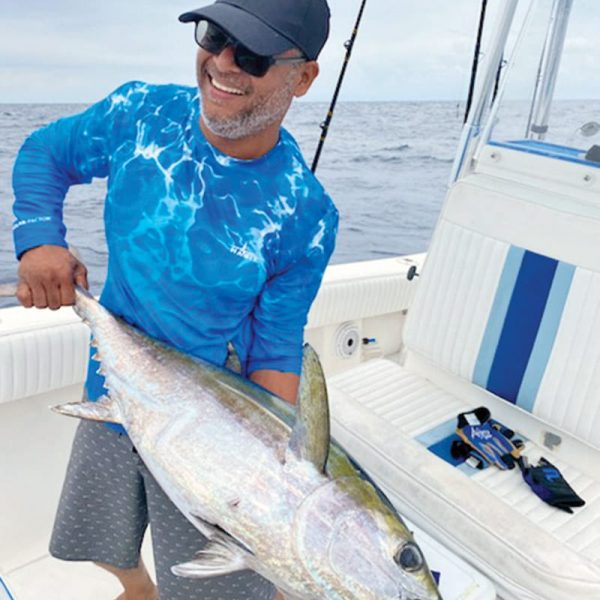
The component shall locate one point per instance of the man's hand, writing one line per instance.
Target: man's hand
(47, 277)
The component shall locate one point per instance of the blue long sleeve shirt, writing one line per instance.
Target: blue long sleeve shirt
(203, 248)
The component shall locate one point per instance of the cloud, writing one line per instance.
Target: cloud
(415, 49)
(48, 47)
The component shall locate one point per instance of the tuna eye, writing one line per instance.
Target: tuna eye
(409, 557)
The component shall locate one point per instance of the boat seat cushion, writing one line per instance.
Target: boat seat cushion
(388, 415)
(506, 315)
(512, 308)
(41, 351)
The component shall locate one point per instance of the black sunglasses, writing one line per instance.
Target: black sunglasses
(213, 39)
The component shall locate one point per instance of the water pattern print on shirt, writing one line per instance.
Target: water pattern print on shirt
(203, 248)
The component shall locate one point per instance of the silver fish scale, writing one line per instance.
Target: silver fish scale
(222, 457)
(213, 456)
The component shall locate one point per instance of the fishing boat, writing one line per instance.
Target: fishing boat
(503, 312)
(505, 315)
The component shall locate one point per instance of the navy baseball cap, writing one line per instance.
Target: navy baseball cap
(270, 27)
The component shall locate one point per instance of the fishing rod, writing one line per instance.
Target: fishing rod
(476, 55)
(476, 65)
(349, 44)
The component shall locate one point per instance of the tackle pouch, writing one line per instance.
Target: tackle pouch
(485, 441)
(547, 483)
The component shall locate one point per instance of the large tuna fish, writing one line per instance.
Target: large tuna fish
(266, 486)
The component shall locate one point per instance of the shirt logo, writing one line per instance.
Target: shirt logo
(31, 221)
(243, 252)
(481, 434)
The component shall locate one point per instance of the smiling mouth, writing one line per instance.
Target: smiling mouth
(224, 88)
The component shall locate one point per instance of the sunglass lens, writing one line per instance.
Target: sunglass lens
(210, 37)
(213, 39)
(252, 63)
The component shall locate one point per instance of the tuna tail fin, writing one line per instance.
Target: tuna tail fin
(104, 409)
(310, 436)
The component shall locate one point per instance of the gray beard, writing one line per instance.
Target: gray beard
(266, 112)
(243, 125)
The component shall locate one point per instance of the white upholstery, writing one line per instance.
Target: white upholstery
(569, 394)
(404, 400)
(452, 304)
(447, 328)
(40, 351)
(490, 517)
(459, 318)
(362, 290)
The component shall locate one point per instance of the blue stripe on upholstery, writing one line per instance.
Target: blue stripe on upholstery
(521, 325)
(546, 336)
(493, 331)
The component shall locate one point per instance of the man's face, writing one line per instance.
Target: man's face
(237, 105)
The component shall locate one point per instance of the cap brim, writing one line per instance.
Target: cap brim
(242, 26)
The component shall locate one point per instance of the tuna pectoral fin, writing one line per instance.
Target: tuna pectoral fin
(219, 557)
(104, 409)
(310, 435)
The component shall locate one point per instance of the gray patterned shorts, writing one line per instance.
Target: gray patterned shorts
(108, 499)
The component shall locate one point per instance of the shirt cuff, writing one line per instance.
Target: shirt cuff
(37, 231)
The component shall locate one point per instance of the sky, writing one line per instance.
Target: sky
(79, 50)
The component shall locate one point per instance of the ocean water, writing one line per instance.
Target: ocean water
(386, 165)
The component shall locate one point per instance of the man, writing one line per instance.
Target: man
(217, 232)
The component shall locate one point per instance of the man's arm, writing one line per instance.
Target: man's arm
(280, 315)
(67, 152)
(284, 385)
